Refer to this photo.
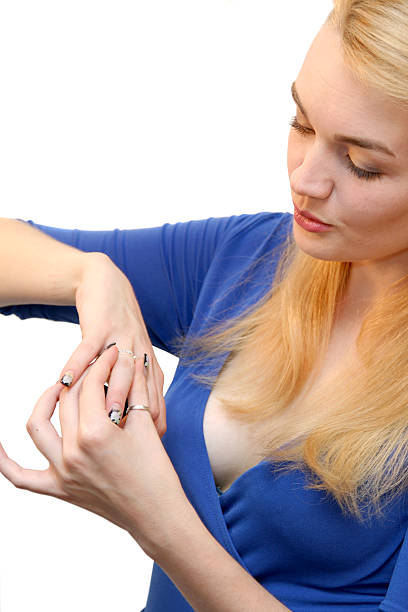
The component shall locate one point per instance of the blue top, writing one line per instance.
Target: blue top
(295, 541)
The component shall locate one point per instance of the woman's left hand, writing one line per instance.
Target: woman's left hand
(122, 473)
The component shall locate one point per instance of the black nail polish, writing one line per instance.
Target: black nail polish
(109, 345)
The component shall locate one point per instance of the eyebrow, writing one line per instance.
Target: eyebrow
(373, 145)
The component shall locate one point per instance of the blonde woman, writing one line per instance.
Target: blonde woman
(281, 481)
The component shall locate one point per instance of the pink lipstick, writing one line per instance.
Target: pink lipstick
(309, 222)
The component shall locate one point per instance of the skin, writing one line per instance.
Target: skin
(143, 494)
(370, 217)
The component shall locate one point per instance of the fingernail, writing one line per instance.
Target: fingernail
(146, 361)
(67, 379)
(115, 414)
(108, 347)
(102, 351)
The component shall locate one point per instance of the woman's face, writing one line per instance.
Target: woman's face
(360, 191)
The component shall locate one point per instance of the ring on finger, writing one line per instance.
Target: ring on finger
(127, 352)
(131, 353)
(138, 407)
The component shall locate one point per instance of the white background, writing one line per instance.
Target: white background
(124, 114)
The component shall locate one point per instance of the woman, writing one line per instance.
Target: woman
(281, 483)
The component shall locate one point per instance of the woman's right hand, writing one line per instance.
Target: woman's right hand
(108, 312)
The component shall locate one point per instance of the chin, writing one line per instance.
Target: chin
(316, 245)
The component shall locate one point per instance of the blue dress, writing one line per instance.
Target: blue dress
(295, 541)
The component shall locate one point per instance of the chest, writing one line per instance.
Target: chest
(232, 445)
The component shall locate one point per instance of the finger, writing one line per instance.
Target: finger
(92, 411)
(120, 382)
(154, 398)
(161, 424)
(155, 407)
(40, 428)
(155, 388)
(140, 394)
(37, 481)
(69, 413)
(83, 355)
(155, 382)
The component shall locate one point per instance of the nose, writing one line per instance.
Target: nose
(312, 176)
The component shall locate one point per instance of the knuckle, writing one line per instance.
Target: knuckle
(116, 396)
(90, 345)
(73, 462)
(90, 438)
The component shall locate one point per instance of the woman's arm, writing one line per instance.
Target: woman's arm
(205, 573)
(35, 268)
(142, 495)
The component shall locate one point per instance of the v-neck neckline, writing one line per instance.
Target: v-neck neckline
(200, 421)
(215, 500)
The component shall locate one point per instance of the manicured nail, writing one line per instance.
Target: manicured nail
(115, 414)
(67, 379)
(102, 351)
(108, 347)
(146, 361)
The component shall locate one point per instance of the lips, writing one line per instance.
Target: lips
(309, 215)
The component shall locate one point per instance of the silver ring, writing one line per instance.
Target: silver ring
(146, 361)
(138, 407)
(128, 352)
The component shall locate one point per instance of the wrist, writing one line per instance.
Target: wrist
(90, 265)
(171, 533)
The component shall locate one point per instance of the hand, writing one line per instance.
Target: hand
(122, 473)
(108, 312)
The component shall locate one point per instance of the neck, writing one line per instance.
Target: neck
(367, 281)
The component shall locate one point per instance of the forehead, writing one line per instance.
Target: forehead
(335, 100)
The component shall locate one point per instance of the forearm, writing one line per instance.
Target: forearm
(35, 268)
(207, 576)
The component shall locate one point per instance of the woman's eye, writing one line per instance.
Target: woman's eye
(299, 127)
(359, 172)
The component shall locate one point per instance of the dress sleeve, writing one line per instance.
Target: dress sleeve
(165, 265)
(396, 599)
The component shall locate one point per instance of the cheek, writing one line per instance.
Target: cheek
(372, 205)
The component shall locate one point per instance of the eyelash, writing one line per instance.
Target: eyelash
(359, 172)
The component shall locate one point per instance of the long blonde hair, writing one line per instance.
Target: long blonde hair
(351, 435)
